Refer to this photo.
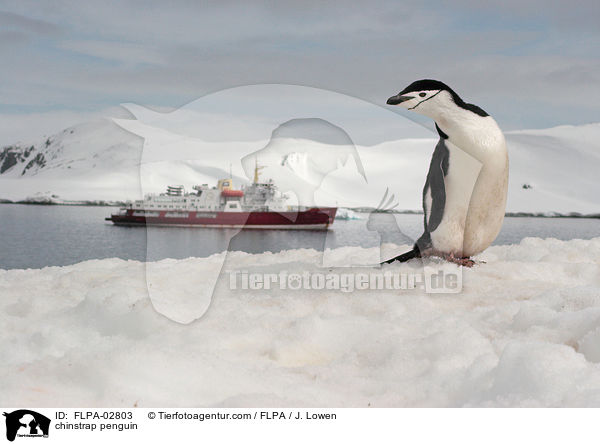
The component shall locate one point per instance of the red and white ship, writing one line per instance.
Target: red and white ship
(257, 206)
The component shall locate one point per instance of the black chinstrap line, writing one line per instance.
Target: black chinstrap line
(428, 98)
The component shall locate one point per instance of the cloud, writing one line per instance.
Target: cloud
(13, 39)
(567, 15)
(124, 52)
(30, 128)
(90, 55)
(28, 24)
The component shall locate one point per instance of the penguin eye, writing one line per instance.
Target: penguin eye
(422, 94)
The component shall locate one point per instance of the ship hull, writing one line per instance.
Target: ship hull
(312, 219)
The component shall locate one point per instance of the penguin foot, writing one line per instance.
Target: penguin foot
(463, 261)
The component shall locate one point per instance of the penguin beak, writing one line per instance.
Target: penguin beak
(395, 100)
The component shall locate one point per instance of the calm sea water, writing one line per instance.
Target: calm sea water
(33, 236)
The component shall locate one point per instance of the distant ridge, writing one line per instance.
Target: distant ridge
(553, 172)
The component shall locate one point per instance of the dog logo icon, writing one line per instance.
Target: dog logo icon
(26, 423)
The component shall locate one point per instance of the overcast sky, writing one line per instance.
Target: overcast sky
(531, 64)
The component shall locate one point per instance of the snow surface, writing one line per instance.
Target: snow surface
(525, 331)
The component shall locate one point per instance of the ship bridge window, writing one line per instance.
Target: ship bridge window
(232, 206)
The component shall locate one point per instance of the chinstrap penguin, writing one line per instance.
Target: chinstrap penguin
(464, 197)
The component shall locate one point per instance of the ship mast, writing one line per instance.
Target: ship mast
(256, 170)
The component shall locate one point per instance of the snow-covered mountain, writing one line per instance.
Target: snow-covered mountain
(551, 170)
(555, 169)
(94, 160)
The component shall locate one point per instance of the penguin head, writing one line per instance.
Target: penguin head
(427, 97)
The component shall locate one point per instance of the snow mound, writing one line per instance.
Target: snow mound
(524, 331)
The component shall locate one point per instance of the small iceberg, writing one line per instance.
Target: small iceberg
(347, 214)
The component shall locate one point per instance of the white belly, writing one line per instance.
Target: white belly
(475, 203)
(488, 205)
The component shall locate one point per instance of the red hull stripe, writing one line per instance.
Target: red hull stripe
(314, 217)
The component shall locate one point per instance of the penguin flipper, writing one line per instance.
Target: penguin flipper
(434, 192)
(434, 201)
